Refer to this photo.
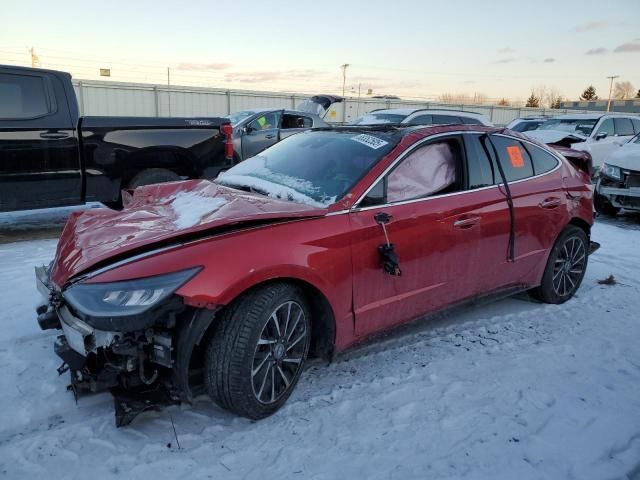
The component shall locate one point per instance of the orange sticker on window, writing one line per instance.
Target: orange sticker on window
(515, 155)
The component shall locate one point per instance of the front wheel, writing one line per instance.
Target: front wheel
(565, 268)
(256, 354)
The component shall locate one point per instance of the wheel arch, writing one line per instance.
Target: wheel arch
(582, 224)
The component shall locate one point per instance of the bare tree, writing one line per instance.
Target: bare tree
(623, 90)
(463, 98)
(552, 98)
(504, 102)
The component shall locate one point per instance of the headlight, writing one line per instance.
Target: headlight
(611, 171)
(131, 297)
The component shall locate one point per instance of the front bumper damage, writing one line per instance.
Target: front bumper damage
(143, 369)
(623, 192)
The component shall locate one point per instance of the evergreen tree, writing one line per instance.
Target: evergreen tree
(589, 94)
(533, 101)
(638, 94)
(556, 103)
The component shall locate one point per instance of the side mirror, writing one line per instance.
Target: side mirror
(601, 135)
(248, 129)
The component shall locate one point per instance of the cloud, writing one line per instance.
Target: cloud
(597, 51)
(549, 60)
(590, 26)
(204, 66)
(633, 46)
(270, 76)
(507, 60)
(506, 50)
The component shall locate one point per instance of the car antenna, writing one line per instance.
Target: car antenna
(503, 177)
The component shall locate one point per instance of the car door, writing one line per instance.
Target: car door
(539, 206)
(39, 158)
(261, 133)
(433, 228)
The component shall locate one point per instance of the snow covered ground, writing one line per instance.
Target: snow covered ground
(510, 390)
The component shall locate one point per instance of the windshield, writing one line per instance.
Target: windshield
(527, 125)
(236, 118)
(315, 167)
(583, 126)
(379, 118)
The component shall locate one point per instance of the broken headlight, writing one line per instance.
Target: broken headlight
(127, 298)
(611, 171)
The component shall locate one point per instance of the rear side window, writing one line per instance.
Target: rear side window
(624, 127)
(421, 120)
(444, 119)
(470, 121)
(636, 125)
(515, 160)
(479, 169)
(542, 161)
(22, 97)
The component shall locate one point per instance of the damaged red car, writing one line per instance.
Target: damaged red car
(319, 242)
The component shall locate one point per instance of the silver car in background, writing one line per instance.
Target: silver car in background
(421, 116)
(257, 129)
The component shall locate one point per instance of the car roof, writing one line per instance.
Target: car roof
(411, 111)
(579, 116)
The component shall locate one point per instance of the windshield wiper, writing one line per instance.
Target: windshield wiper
(245, 188)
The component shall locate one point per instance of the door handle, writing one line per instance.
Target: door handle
(54, 135)
(466, 222)
(549, 203)
(270, 136)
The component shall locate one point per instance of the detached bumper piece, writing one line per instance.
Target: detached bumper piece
(129, 403)
(593, 247)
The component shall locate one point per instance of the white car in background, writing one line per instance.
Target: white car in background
(618, 181)
(524, 124)
(421, 116)
(598, 134)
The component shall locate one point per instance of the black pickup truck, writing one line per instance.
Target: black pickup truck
(51, 156)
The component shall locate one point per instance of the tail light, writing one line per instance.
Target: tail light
(227, 131)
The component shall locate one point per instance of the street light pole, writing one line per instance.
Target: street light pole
(344, 76)
(612, 78)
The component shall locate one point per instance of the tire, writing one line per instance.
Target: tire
(153, 175)
(562, 278)
(252, 363)
(603, 206)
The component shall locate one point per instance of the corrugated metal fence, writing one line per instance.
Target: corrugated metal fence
(138, 99)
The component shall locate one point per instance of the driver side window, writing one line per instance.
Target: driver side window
(430, 170)
(606, 127)
(265, 121)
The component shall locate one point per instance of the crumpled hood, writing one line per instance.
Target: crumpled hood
(555, 136)
(159, 214)
(627, 157)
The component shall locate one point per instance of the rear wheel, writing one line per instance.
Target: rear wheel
(565, 268)
(256, 354)
(603, 206)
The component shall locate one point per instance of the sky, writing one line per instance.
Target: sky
(414, 49)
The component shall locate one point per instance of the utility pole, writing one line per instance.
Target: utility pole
(35, 60)
(169, 89)
(344, 76)
(612, 78)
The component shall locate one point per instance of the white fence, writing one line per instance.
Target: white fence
(139, 99)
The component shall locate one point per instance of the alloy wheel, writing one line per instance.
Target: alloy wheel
(569, 266)
(279, 353)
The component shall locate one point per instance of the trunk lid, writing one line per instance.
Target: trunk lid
(162, 214)
(319, 104)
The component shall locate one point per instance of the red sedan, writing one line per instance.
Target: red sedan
(319, 242)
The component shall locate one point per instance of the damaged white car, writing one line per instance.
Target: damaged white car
(618, 182)
(598, 134)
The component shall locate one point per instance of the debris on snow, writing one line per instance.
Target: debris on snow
(610, 280)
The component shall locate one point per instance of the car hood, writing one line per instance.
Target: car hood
(627, 157)
(162, 215)
(555, 136)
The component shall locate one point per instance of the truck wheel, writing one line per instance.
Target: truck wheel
(603, 206)
(565, 268)
(153, 175)
(257, 351)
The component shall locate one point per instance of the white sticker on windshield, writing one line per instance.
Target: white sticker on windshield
(370, 141)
